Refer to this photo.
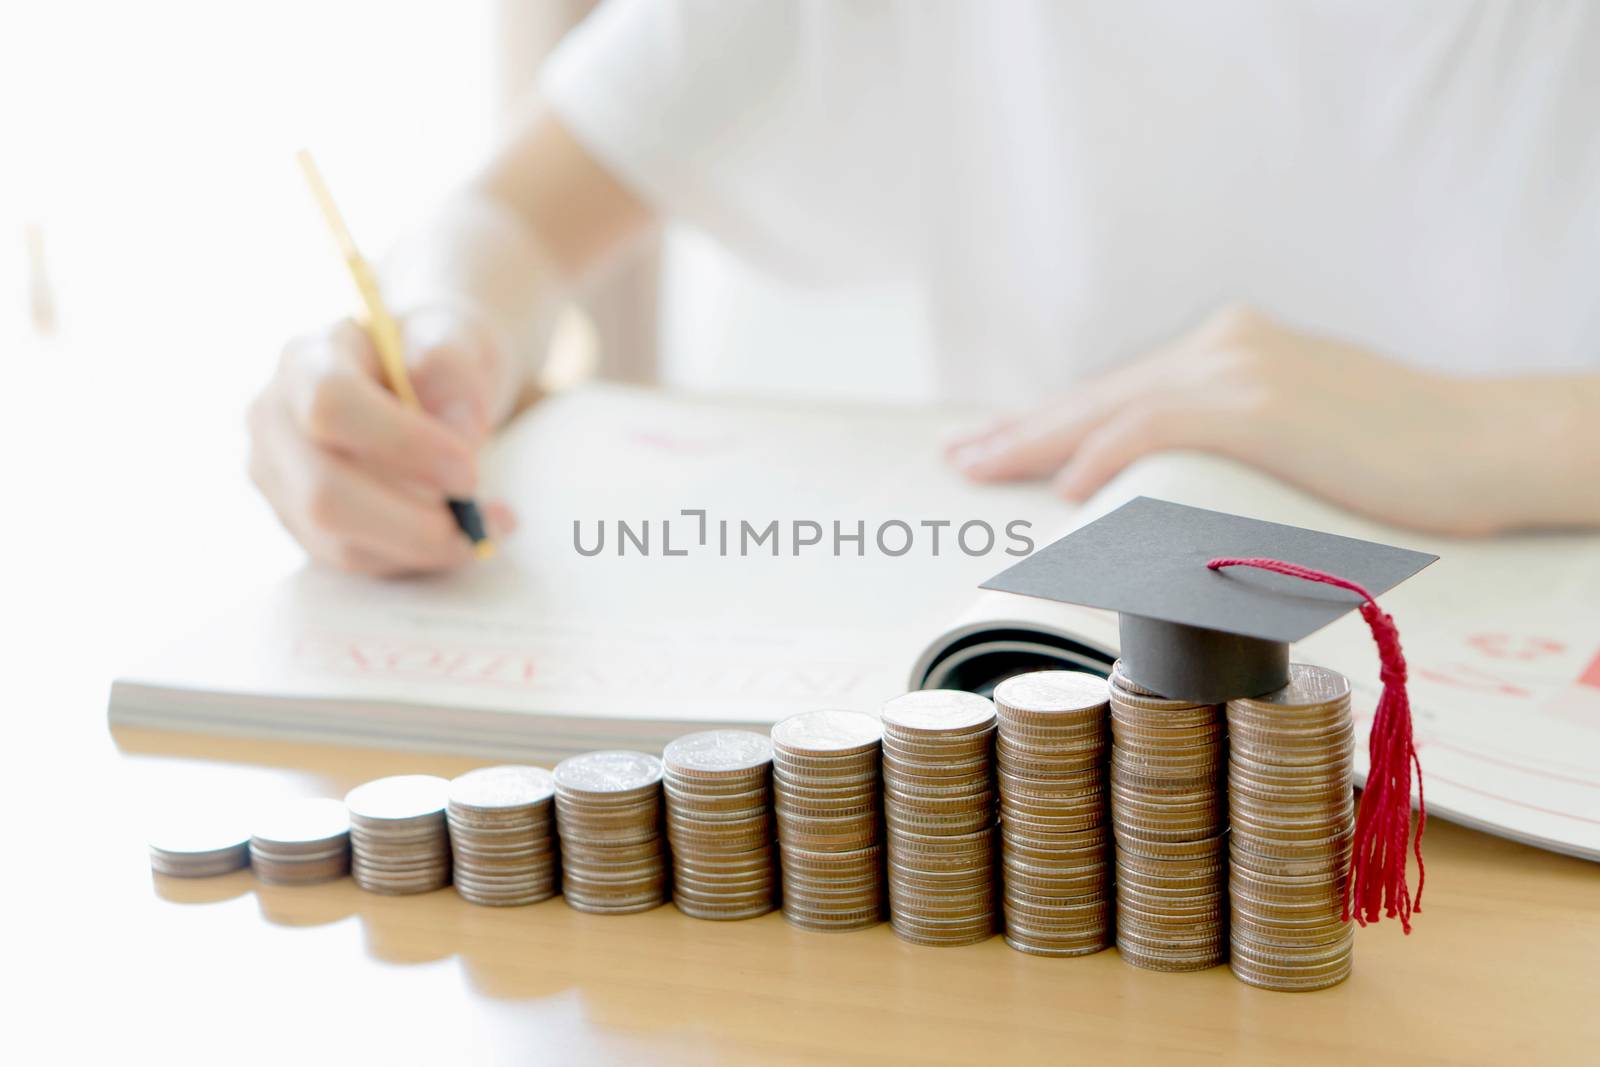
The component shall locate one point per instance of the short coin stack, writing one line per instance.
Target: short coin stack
(191, 844)
(302, 842)
(1050, 757)
(825, 777)
(939, 805)
(1290, 802)
(719, 824)
(608, 810)
(398, 839)
(1168, 815)
(503, 835)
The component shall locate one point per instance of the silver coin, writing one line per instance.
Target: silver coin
(306, 821)
(611, 771)
(715, 753)
(827, 732)
(939, 711)
(1052, 693)
(197, 831)
(509, 786)
(399, 797)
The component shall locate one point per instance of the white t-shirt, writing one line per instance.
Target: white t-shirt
(1070, 184)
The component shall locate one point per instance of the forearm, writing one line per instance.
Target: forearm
(507, 249)
(475, 256)
(1544, 436)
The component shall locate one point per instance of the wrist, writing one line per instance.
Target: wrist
(476, 260)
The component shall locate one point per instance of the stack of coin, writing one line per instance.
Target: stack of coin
(825, 788)
(302, 842)
(398, 839)
(1169, 817)
(719, 824)
(503, 835)
(1050, 757)
(189, 843)
(939, 805)
(1290, 802)
(608, 810)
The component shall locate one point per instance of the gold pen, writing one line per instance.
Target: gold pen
(385, 334)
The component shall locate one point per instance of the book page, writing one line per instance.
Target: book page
(726, 616)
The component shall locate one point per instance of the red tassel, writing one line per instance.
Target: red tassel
(1377, 884)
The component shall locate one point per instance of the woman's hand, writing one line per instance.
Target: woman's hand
(1398, 444)
(359, 479)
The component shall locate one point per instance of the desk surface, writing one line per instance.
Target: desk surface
(1502, 963)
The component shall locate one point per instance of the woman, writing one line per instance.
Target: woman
(1353, 244)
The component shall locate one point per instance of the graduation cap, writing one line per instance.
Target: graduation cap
(1207, 604)
(1190, 632)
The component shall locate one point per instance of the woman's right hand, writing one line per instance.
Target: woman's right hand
(358, 478)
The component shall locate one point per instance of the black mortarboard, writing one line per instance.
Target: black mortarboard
(1192, 633)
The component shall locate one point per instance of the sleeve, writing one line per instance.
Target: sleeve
(772, 126)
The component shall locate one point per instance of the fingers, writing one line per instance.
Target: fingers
(453, 391)
(1103, 453)
(333, 390)
(347, 516)
(956, 449)
(500, 519)
(461, 376)
(497, 517)
(346, 503)
(1031, 446)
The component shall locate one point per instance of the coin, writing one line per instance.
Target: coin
(938, 712)
(1169, 815)
(609, 774)
(940, 816)
(398, 798)
(191, 842)
(1051, 772)
(827, 733)
(503, 836)
(301, 842)
(1052, 698)
(720, 824)
(1292, 815)
(608, 808)
(398, 837)
(513, 789)
(827, 799)
(719, 754)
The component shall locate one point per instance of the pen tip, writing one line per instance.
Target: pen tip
(484, 549)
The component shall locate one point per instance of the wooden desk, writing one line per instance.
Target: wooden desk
(1503, 965)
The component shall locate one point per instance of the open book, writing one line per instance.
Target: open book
(686, 563)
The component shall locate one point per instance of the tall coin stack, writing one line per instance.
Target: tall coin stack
(1050, 757)
(302, 842)
(939, 806)
(503, 835)
(608, 811)
(719, 824)
(1290, 801)
(398, 839)
(1169, 816)
(825, 781)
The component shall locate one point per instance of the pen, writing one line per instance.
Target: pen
(385, 334)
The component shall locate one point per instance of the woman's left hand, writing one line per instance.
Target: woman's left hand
(1392, 442)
